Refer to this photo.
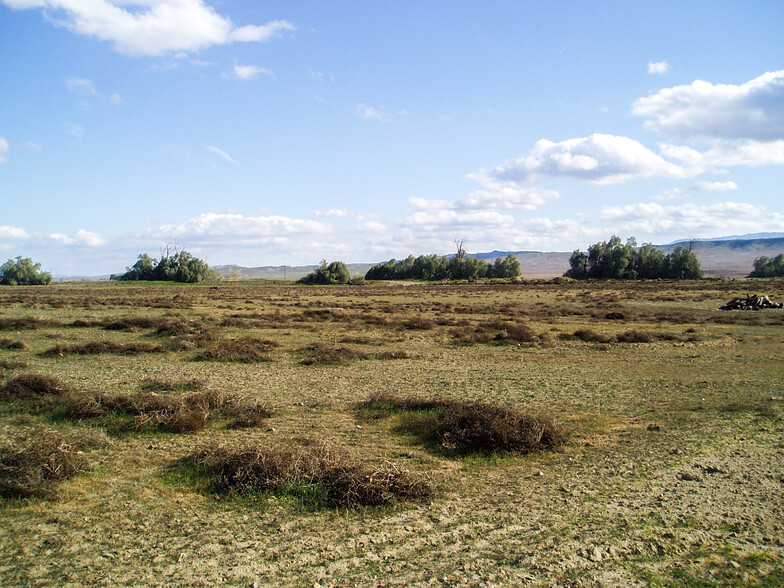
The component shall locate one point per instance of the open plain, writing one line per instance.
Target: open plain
(672, 474)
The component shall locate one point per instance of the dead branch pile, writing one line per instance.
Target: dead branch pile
(750, 302)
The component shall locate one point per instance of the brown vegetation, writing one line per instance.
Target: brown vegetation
(344, 481)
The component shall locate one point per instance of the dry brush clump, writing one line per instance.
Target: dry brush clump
(33, 386)
(33, 463)
(326, 469)
(323, 354)
(149, 411)
(466, 426)
(99, 347)
(12, 344)
(498, 331)
(243, 350)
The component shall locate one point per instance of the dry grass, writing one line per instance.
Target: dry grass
(244, 350)
(323, 354)
(32, 385)
(98, 347)
(32, 464)
(170, 414)
(344, 481)
(473, 426)
(12, 344)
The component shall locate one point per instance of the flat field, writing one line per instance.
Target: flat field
(672, 475)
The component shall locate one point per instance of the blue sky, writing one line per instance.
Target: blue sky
(269, 133)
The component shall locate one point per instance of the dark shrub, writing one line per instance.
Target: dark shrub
(634, 337)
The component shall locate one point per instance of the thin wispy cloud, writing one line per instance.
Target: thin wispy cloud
(4, 150)
(704, 186)
(371, 113)
(248, 72)
(223, 154)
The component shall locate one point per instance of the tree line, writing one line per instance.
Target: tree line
(23, 272)
(438, 267)
(173, 266)
(765, 267)
(617, 261)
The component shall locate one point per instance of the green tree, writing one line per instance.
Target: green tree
(335, 272)
(23, 272)
(173, 266)
(764, 267)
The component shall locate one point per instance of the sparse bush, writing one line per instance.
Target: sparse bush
(420, 323)
(32, 385)
(320, 353)
(33, 463)
(343, 481)
(472, 426)
(98, 347)
(244, 350)
(20, 323)
(159, 412)
(634, 337)
(11, 344)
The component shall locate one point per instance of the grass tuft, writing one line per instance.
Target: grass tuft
(98, 347)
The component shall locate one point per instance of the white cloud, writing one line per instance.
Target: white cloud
(115, 99)
(80, 237)
(336, 213)
(690, 219)
(7, 232)
(704, 186)
(222, 153)
(248, 72)
(754, 110)
(225, 227)
(598, 159)
(370, 113)
(4, 150)
(151, 27)
(658, 67)
(727, 154)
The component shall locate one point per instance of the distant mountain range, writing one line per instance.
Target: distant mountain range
(722, 256)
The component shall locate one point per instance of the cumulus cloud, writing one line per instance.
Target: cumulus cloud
(690, 219)
(753, 110)
(248, 72)
(705, 186)
(74, 129)
(335, 213)
(598, 159)
(151, 27)
(7, 232)
(370, 113)
(727, 154)
(227, 227)
(4, 150)
(658, 67)
(80, 237)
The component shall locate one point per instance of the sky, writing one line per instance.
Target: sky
(268, 133)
